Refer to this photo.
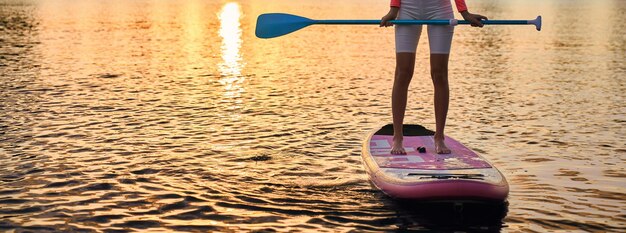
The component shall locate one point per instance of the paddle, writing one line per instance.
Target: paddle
(277, 24)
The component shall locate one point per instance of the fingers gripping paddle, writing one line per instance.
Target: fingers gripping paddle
(277, 24)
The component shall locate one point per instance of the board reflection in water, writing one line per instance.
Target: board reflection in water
(449, 216)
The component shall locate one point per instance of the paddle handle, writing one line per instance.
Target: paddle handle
(453, 22)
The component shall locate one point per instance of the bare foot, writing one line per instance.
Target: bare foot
(440, 146)
(397, 148)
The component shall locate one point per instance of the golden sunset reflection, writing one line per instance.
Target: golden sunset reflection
(230, 32)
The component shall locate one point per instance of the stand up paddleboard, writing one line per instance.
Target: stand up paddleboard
(426, 175)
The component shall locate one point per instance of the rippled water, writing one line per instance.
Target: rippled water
(171, 115)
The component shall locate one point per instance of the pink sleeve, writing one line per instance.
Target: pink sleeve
(395, 3)
(460, 5)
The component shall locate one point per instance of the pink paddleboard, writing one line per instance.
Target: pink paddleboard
(461, 175)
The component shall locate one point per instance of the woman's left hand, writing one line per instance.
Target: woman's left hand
(474, 19)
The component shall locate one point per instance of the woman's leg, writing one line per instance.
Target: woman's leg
(405, 64)
(439, 74)
(407, 38)
(440, 41)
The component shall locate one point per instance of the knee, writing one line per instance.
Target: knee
(439, 71)
(404, 76)
(439, 74)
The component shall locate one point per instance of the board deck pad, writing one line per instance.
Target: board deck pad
(460, 158)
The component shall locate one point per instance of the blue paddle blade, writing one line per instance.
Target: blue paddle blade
(277, 24)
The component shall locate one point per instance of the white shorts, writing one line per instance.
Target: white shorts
(439, 36)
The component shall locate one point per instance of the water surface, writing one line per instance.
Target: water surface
(171, 116)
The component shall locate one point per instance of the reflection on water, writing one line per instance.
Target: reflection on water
(230, 33)
(230, 68)
(450, 217)
(171, 116)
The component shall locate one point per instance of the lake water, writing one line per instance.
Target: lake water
(172, 116)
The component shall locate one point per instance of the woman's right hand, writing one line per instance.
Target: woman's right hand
(393, 14)
(474, 19)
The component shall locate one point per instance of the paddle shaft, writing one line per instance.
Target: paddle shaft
(499, 22)
(431, 22)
